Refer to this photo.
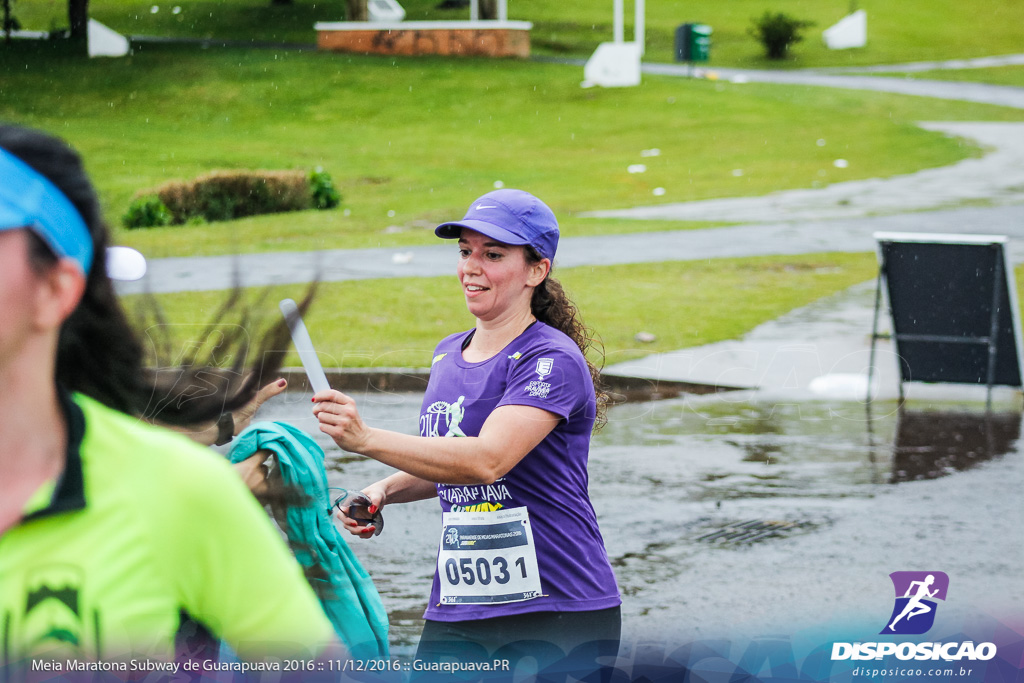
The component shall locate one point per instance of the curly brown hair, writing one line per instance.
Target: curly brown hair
(552, 306)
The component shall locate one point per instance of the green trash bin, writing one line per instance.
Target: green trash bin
(693, 43)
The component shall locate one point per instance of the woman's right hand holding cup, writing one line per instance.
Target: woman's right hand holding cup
(360, 512)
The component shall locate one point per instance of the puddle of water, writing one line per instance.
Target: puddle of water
(935, 444)
(674, 482)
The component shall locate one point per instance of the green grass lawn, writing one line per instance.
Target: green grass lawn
(397, 322)
(411, 143)
(909, 30)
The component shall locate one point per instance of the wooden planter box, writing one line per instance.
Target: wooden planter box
(458, 38)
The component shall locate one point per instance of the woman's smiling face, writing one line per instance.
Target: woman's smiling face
(496, 278)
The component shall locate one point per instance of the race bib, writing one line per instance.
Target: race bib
(487, 558)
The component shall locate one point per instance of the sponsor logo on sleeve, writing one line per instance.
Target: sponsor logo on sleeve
(538, 389)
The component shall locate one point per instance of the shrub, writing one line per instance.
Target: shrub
(777, 31)
(147, 212)
(325, 196)
(225, 195)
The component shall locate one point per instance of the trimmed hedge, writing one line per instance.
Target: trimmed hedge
(226, 195)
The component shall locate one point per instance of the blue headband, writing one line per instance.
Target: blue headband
(29, 200)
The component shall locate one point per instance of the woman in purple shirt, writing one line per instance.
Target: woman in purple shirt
(504, 439)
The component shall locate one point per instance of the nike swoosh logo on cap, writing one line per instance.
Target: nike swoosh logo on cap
(482, 206)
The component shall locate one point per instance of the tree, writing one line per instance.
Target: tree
(78, 18)
(10, 23)
(355, 10)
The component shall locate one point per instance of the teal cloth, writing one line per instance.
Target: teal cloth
(351, 601)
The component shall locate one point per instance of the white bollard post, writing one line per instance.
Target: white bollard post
(619, 30)
(639, 28)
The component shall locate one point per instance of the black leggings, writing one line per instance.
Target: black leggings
(573, 641)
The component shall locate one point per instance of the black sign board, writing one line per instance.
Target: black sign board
(954, 308)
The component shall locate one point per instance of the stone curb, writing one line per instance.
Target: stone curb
(623, 388)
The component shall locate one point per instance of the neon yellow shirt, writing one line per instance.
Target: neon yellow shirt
(142, 527)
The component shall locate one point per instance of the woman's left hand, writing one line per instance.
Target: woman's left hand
(243, 416)
(254, 471)
(340, 420)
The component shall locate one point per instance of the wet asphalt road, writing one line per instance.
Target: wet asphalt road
(836, 501)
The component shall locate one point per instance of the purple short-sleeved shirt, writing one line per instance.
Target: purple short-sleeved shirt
(545, 369)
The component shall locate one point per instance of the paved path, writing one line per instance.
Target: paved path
(996, 178)
(852, 79)
(803, 237)
(818, 351)
(834, 218)
(1003, 95)
(946, 64)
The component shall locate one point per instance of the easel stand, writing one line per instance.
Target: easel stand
(1000, 279)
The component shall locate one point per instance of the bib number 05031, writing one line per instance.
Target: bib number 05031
(465, 570)
(487, 558)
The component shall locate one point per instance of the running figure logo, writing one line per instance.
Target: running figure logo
(450, 414)
(455, 414)
(916, 593)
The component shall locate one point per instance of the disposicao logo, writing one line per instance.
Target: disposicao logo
(916, 595)
(914, 614)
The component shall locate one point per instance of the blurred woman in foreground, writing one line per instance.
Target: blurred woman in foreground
(114, 533)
